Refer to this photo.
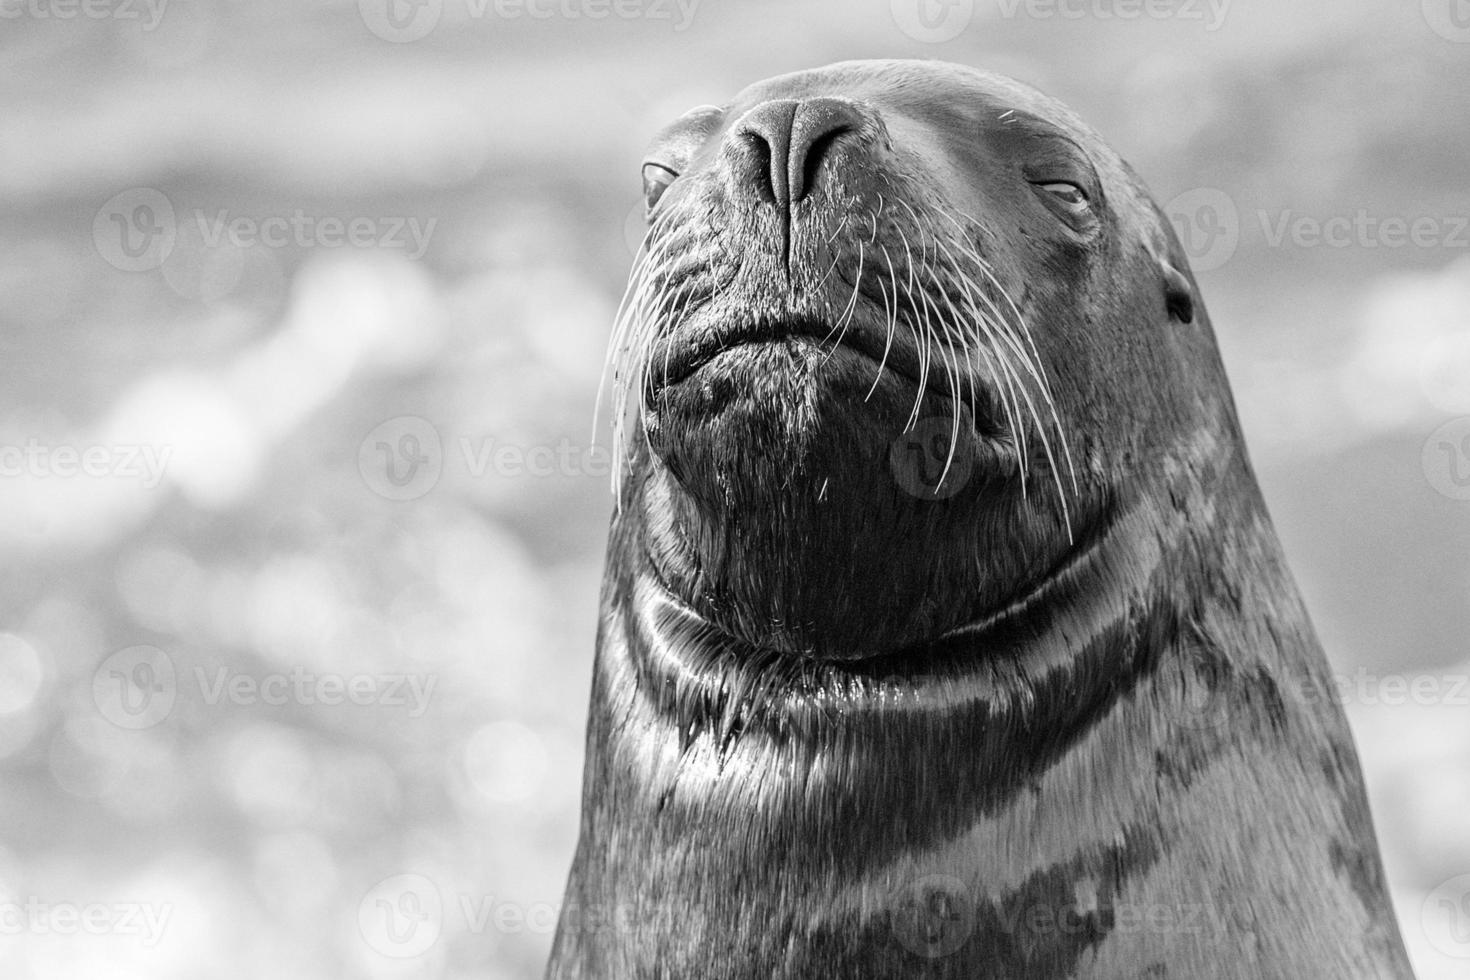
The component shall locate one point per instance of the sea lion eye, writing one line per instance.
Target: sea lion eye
(656, 180)
(1068, 193)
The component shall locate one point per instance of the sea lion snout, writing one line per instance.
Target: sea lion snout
(778, 148)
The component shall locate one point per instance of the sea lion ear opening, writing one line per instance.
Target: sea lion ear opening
(1178, 294)
(1164, 248)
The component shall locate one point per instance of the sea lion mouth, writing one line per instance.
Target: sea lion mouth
(685, 359)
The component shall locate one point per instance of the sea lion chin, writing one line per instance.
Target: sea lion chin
(940, 592)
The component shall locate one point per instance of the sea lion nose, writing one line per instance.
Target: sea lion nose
(779, 146)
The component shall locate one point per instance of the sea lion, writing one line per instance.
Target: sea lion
(944, 631)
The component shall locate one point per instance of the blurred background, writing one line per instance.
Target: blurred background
(302, 313)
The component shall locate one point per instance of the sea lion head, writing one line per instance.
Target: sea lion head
(903, 340)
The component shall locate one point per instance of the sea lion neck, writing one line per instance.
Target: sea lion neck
(1130, 542)
(839, 567)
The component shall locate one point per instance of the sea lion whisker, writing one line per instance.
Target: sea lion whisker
(892, 319)
(878, 376)
(1004, 350)
(1021, 395)
(1046, 392)
(949, 359)
(664, 315)
(618, 336)
(1000, 370)
(963, 353)
(1033, 360)
(841, 325)
(639, 326)
(921, 341)
(958, 351)
(873, 216)
(829, 239)
(626, 365)
(995, 353)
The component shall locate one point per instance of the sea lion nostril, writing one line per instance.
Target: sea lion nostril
(818, 126)
(766, 130)
(790, 140)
